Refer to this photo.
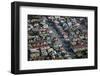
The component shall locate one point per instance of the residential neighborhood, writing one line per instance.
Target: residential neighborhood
(57, 37)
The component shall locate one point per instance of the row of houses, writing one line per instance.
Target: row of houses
(57, 37)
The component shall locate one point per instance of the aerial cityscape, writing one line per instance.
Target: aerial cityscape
(57, 37)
